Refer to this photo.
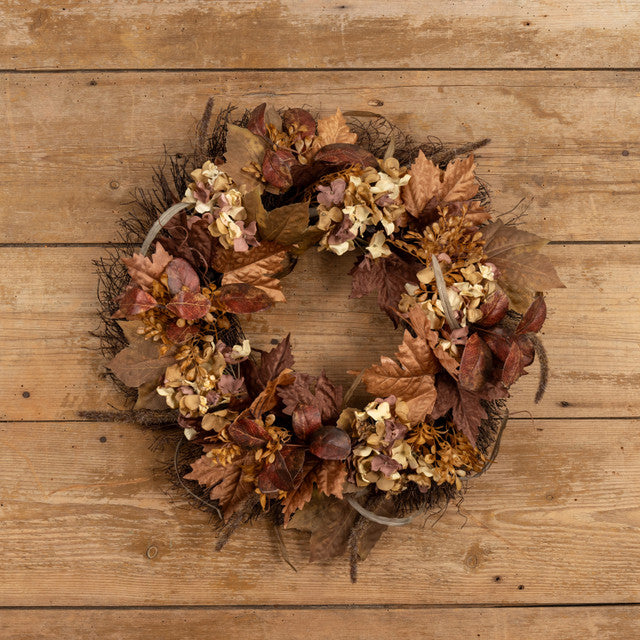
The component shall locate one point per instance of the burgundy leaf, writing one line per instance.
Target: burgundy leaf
(189, 305)
(330, 443)
(345, 155)
(494, 308)
(181, 275)
(499, 343)
(276, 167)
(134, 301)
(248, 433)
(475, 365)
(256, 123)
(243, 298)
(534, 317)
(284, 472)
(300, 120)
(306, 420)
(180, 335)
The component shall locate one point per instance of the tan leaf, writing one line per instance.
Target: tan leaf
(334, 129)
(243, 148)
(229, 484)
(148, 398)
(524, 271)
(412, 380)
(255, 267)
(268, 397)
(284, 225)
(423, 185)
(327, 475)
(459, 181)
(145, 271)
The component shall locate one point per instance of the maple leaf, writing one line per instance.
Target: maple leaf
(388, 276)
(255, 267)
(229, 483)
(458, 183)
(140, 362)
(313, 391)
(284, 225)
(328, 476)
(334, 129)
(423, 185)
(524, 271)
(144, 271)
(243, 148)
(412, 380)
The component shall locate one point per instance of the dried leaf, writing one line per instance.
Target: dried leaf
(284, 225)
(523, 270)
(284, 473)
(534, 318)
(189, 305)
(317, 392)
(276, 168)
(243, 298)
(144, 271)
(521, 354)
(139, 363)
(387, 276)
(306, 420)
(181, 335)
(412, 380)
(494, 308)
(423, 185)
(148, 398)
(267, 399)
(421, 324)
(247, 433)
(255, 267)
(459, 181)
(330, 443)
(345, 155)
(262, 116)
(243, 148)
(328, 476)
(274, 362)
(181, 275)
(476, 364)
(192, 241)
(299, 120)
(334, 129)
(134, 301)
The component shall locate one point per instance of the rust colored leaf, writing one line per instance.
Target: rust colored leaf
(306, 420)
(181, 335)
(299, 120)
(189, 305)
(423, 185)
(247, 433)
(345, 155)
(145, 271)
(475, 365)
(499, 341)
(283, 474)
(276, 168)
(328, 476)
(334, 129)
(243, 298)
(134, 301)
(459, 181)
(330, 443)
(181, 275)
(521, 354)
(534, 318)
(262, 116)
(314, 391)
(494, 308)
(268, 397)
(412, 380)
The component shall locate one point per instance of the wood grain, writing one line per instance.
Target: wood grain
(496, 623)
(87, 521)
(47, 353)
(304, 33)
(567, 144)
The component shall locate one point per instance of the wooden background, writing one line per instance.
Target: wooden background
(547, 543)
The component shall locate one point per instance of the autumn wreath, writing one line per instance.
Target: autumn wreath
(262, 439)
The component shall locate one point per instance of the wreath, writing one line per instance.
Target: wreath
(254, 436)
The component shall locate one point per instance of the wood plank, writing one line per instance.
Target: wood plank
(568, 144)
(512, 623)
(47, 354)
(308, 34)
(84, 524)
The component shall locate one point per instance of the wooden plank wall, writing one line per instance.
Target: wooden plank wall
(91, 543)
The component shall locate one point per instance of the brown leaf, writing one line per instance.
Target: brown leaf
(180, 335)
(523, 270)
(243, 298)
(255, 267)
(306, 419)
(387, 276)
(148, 398)
(134, 301)
(144, 271)
(262, 116)
(314, 391)
(272, 364)
(330, 443)
(300, 120)
(459, 181)
(284, 225)
(247, 433)
(243, 148)
(423, 185)
(421, 324)
(534, 318)
(494, 308)
(328, 476)
(181, 275)
(345, 155)
(229, 483)
(412, 380)
(189, 305)
(283, 474)
(139, 363)
(334, 129)
(268, 397)
(476, 364)
(276, 168)
(193, 241)
(521, 354)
